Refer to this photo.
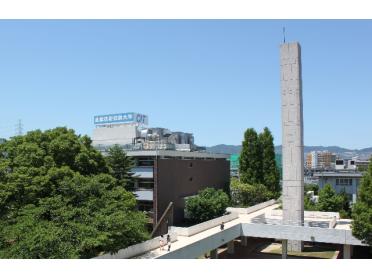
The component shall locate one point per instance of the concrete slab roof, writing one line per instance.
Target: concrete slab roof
(339, 174)
(173, 153)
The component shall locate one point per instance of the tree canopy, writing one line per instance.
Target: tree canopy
(270, 171)
(208, 204)
(251, 159)
(59, 200)
(258, 163)
(246, 195)
(120, 166)
(330, 201)
(362, 210)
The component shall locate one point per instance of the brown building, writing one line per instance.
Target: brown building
(165, 176)
(320, 160)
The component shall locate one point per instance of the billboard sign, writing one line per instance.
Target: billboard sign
(121, 118)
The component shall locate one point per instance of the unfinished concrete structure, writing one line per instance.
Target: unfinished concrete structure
(293, 143)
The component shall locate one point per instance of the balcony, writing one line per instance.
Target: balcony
(144, 195)
(143, 172)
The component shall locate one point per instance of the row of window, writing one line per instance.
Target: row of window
(344, 182)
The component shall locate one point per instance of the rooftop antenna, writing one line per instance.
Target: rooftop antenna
(284, 35)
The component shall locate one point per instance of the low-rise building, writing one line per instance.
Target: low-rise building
(341, 181)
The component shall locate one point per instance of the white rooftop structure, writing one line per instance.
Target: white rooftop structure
(262, 221)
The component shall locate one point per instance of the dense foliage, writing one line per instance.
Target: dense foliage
(246, 195)
(329, 201)
(270, 171)
(258, 163)
(121, 166)
(208, 204)
(362, 210)
(251, 159)
(312, 188)
(59, 200)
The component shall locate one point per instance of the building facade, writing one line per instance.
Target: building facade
(169, 166)
(348, 182)
(164, 176)
(320, 160)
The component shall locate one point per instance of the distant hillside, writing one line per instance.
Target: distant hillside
(225, 149)
(342, 152)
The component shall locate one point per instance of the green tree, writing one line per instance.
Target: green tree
(362, 210)
(208, 204)
(270, 171)
(312, 188)
(345, 209)
(246, 195)
(330, 201)
(309, 205)
(251, 159)
(58, 199)
(121, 166)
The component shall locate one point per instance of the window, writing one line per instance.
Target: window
(145, 162)
(146, 206)
(344, 182)
(146, 184)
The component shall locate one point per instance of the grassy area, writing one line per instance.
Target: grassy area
(309, 252)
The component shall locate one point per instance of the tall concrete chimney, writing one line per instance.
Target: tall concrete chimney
(293, 139)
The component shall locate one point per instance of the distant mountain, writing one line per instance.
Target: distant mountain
(225, 149)
(342, 152)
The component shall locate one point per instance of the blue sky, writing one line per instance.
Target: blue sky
(214, 78)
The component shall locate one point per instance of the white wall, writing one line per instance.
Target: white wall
(204, 226)
(251, 209)
(136, 250)
(196, 249)
(115, 135)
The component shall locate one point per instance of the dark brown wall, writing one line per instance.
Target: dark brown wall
(173, 181)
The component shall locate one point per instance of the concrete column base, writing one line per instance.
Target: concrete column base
(295, 246)
(244, 241)
(214, 254)
(231, 248)
(347, 252)
(285, 249)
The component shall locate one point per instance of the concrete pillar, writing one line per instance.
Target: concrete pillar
(214, 254)
(347, 252)
(284, 249)
(231, 248)
(293, 139)
(244, 241)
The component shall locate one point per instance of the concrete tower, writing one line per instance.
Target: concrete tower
(293, 140)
